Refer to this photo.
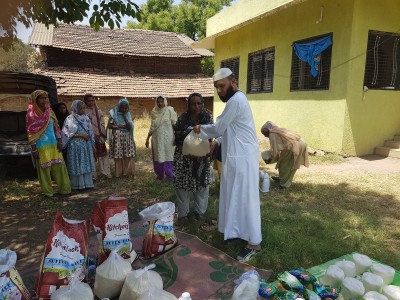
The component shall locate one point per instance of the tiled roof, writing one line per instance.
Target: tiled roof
(132, 42)
(77, 82)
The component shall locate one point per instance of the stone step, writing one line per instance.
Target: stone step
(397, 137)
(386, 151)
(392, 144)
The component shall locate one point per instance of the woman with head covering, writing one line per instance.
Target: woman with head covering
(44, 136)
(97, 118)
(163, 117)
(288, 149)
(61, 111)
(192, 174)
(122, 144)
(78, 138)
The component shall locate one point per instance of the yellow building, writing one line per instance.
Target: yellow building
(352, 104)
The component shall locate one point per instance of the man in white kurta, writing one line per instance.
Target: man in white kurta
(239, 203)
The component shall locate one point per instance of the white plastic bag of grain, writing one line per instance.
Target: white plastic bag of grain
(11, 285)
(247, 286)
(386, 272)
(352, 288)
(348, 267)
(155, 293)
(372, 282)
(195, 146)
(110, 275)
(333, 276)
(76, 290)
(392, 292)
(362, 263)
(266, 155)
(373, 295)
(139, 281)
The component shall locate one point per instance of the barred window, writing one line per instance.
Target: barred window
(383, 57)
(260, 71)
(301, 78)
(233, 64)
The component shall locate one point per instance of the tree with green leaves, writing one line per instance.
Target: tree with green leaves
(22, 58)
(51, 12)
(189, 17)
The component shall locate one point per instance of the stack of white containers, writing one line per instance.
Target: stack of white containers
(362, 278)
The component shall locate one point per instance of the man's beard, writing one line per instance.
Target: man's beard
(229, 93)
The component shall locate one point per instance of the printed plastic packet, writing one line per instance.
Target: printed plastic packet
(305, 278)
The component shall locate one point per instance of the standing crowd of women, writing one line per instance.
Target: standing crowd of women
(68, 146)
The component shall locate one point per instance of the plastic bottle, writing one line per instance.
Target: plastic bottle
(264, 179)
(185, 296)
(212, 175)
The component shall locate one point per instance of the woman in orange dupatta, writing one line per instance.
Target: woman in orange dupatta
(44, 136)
(288, 150)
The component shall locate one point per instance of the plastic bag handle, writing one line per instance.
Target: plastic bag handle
(145, 269)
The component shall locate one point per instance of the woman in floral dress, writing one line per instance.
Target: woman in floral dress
(78, 138)
(191, 174)
(120, 138)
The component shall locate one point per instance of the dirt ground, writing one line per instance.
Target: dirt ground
(369, 163)
(25, 222)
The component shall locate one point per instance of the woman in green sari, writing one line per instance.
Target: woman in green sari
(44, 137)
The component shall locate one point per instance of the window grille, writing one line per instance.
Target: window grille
(233, 64)
(382, 61)
(260, 71)
(301, 78)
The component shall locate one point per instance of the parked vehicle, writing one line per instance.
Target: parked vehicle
(15, 89)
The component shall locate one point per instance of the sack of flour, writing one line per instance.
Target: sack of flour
(11, 285)
(139, 281)
(195, 146)
(159, 234)
(65, 252)
(111, 224)
(110, 276)
(77, 290)
(155, 293)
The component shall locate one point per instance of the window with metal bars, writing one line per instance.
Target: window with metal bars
(301, 78)
(260, 71)
(383, 58)
(233, 64)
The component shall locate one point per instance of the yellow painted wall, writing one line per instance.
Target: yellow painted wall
(340, 119)
(375, 116)
(319, 116)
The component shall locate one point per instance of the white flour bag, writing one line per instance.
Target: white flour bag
(139, 281)
(111, 224)
(64, 254)
(154, 293)
(11, 285)
(110, 275)
(77, 290)
(195, 146)
(159, 234)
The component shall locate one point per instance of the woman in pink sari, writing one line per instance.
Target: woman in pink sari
(44, 136)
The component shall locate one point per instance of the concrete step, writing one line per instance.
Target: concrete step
(386, 151)
(397, 137)
(392, 144)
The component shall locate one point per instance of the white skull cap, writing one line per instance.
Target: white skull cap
(222, 73)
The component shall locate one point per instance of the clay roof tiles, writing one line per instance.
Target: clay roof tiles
(130, 42)
(77, 82)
